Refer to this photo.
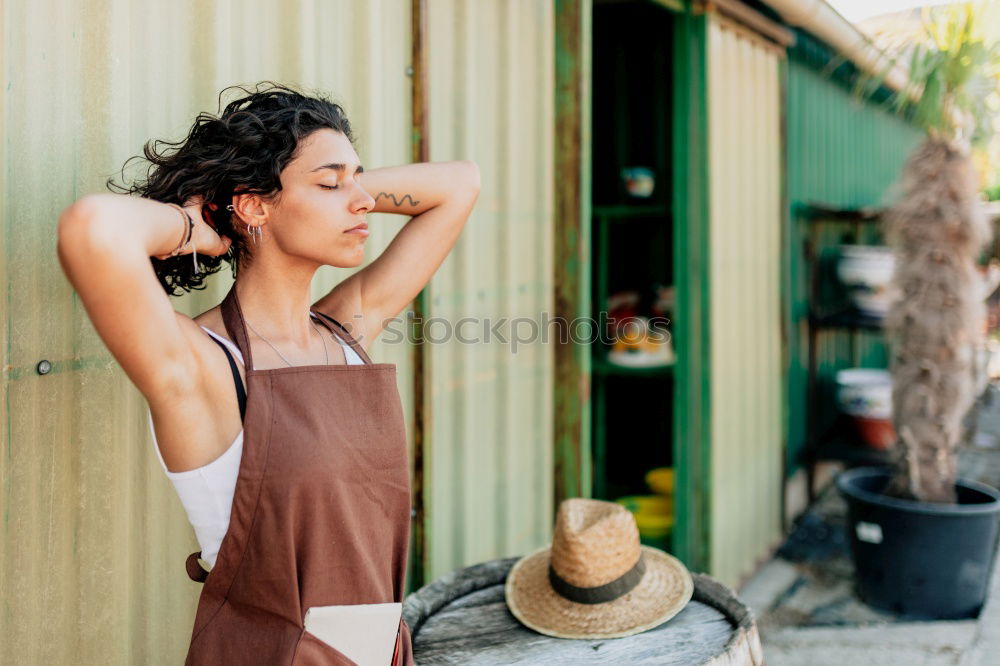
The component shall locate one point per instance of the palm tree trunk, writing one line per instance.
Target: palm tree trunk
(937, 230)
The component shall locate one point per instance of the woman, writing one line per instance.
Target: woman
(298, 478)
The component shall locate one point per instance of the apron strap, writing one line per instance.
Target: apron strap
(232, 317)
(194, 569)
(347, 337)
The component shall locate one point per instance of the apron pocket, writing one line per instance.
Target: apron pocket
(312, 651)
(367, 633)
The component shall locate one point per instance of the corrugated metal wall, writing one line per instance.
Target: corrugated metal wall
(489, 469)
(841, 153)
(745, 262)
(94, 537)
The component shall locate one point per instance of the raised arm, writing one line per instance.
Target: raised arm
(104, 245)
(440, 197)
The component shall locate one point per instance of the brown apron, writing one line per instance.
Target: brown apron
(321, 512)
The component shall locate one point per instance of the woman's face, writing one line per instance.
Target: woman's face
(320, 201)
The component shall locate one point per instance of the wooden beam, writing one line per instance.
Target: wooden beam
(572, 469)
(692, 332)
(420, 152)
(753, 20)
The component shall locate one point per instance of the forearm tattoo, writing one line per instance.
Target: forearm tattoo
(396, 202)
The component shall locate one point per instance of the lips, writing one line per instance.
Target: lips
(361, 229)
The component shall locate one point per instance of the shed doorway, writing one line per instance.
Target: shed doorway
(632, 250)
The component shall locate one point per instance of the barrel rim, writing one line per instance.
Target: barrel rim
(425, 602)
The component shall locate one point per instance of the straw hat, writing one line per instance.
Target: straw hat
(596, 580)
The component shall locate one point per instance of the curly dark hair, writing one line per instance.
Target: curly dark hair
(244, 149)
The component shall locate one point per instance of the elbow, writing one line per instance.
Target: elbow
(473, 173)
(76, 232)
(75, 219)
(471, 179)
(72, 228)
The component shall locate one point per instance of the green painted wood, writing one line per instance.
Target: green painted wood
(419, 553)
(692, 410)
(571, 182)
(602, 366)
(613, 213)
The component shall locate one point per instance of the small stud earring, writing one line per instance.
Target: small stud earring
(230, 208)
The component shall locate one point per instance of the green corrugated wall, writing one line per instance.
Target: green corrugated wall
(841, 153)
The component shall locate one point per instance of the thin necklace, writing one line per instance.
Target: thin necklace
(322, 339)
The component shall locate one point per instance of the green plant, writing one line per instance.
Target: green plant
(953, 72)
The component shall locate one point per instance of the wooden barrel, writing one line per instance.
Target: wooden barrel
(462, 618)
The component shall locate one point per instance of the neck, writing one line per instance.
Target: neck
(275, 300)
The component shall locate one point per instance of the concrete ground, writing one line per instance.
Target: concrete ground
(809, 615)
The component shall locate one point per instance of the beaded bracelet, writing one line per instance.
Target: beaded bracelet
(186, 240)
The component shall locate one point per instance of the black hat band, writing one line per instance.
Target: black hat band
(602, 593)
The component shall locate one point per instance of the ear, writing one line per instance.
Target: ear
(250, 209)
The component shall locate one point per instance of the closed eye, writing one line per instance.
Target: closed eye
(329, 187)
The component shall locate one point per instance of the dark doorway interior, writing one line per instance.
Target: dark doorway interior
(632, 240)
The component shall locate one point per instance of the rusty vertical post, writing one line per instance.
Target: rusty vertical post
(572, 243)
(420, 152)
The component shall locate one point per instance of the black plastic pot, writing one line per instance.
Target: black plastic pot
(918, 559)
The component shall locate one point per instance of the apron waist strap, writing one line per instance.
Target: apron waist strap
(194, 569)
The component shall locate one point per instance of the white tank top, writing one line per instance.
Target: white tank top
(207, 491)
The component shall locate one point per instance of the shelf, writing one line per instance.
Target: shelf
(602, 366)
(850, 319)
(841, 443)
(821, 213)
(627, 211)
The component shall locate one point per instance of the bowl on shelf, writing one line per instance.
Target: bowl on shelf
(866, 271)
(639, 181)
(878, 434)
(640, 345)
(871, 302)
(865, 265)
(865, 395)
(654, 516)
(641, 358)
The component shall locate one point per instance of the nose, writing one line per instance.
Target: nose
(364, 202)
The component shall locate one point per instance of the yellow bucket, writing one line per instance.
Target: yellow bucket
(654, 515)
(661, 480)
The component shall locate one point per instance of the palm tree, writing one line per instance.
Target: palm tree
(937, 229)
